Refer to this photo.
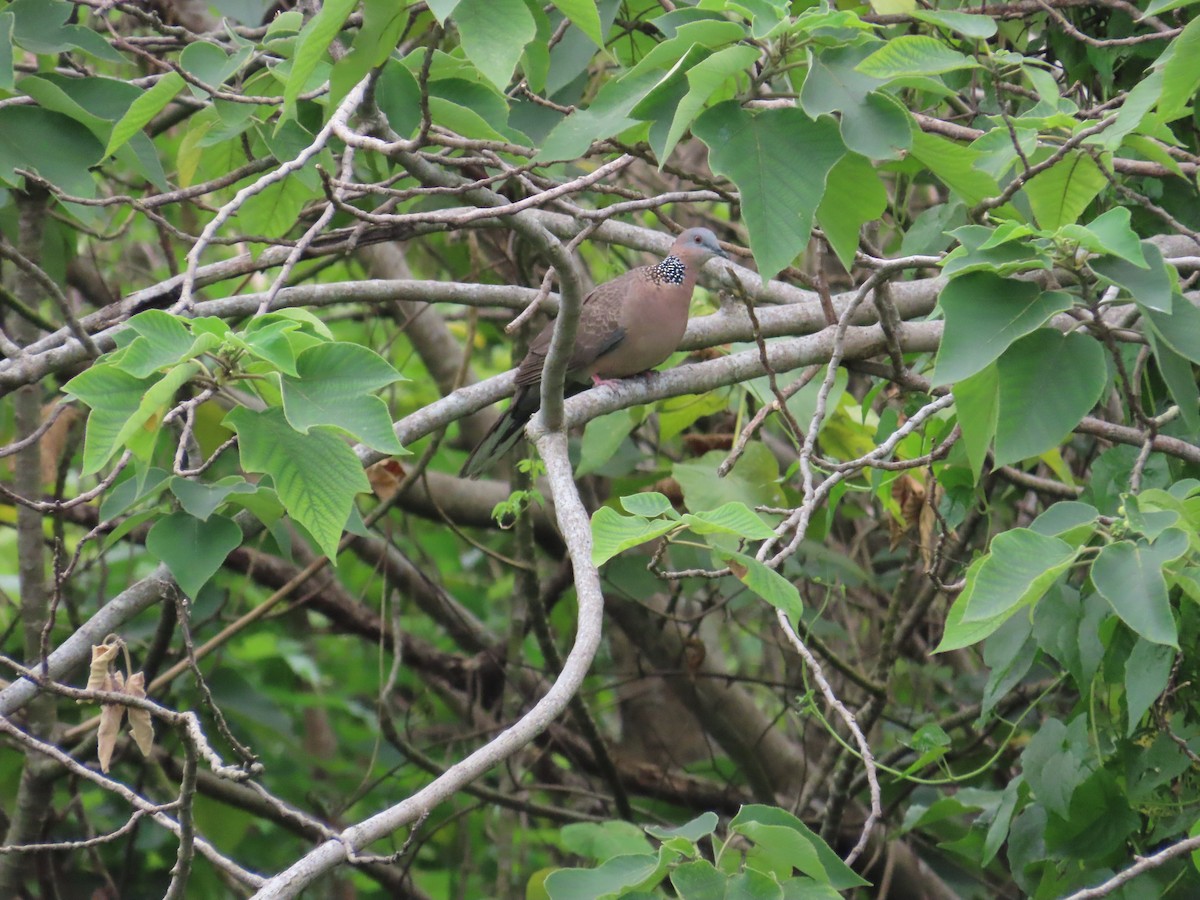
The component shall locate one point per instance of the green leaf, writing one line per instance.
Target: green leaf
(210, 63)
(114, 397)
(193, 549)
(732, 518)
(648, 505)
(977, 404)
(609, 878)
(704, 80)
(314, 40)
(607, 115)
(1111, 234)
(854, 195)
(201, 500)
(700, 827)
(1059, 195)
(1179, 330)
(1018, 569)
(274, 210)
(333, 386)
(1181, 73)
(699, 880)
(584, 16)
(143, 425)
(1176, 372)
(63, 155)
(966, 24)
(753, 481)
(914, 54)
(878, 128)
(494, 34)
(955, 166)
(1151, 286)
(143, 109)
(1129, 576)
(7, 20)
(1066, 519)
(613, 533)
(766, 583)
(841, 877)
(985, 314)
(316, 475)
(758, 152)
(1055, 763)
(604, 840)
(1146, 673)
(603, 436)
(383, 23)
(1031, 418)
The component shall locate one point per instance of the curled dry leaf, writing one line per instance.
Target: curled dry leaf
(385, 477)
(102, 657)
(110, 721)
(141, 726)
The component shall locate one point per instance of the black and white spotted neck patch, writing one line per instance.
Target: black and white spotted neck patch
(670, 271)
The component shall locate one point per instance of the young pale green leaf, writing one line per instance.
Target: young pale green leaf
(270, 343)
(607, 115)
(1109, 234)
(193, 549)
(1146, 674)
(782, 849)
(767, 583)
(143, 109)
(731, 518)
(954, 165)
(1130, 577)
(316, 475)
(333, 385)
(966, 24)
(1181, 73)
(648, 505)
(613, 533)
(584, 16)
(840, 876)
(985, 314)
(494, 34)
(314, 40)
(1033, 419)
(159, 397)
(704, 80)
(1019, 568)
(757, 151)
(1151, 286)
(854, 195)
(201, 500)
(162, 340)
(114, 397)
(1060, 194)
(914, 54)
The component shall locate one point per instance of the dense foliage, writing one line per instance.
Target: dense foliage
(885, 585)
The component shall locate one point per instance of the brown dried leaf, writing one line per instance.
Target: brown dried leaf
(110, 722)
(54, 441)
(141, 726)
(102, 657)
(385, 477)
(909, 495)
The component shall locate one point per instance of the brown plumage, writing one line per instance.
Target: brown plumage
(626, 326)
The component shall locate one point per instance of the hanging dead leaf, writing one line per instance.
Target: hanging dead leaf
(55, 441)
(110, 721)
(102, 657)
(909, 495)
(385, 477)
(141, 726)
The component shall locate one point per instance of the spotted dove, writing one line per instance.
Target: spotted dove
(626, 326)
